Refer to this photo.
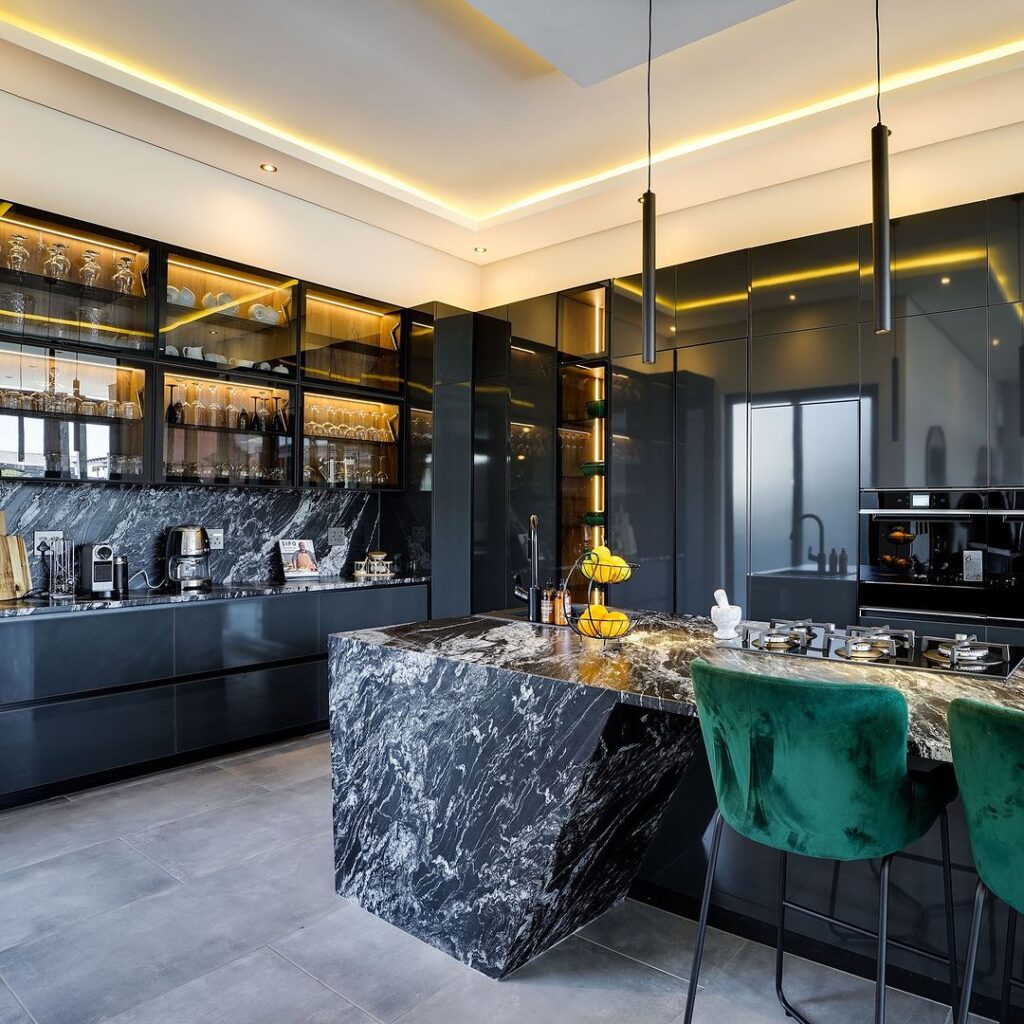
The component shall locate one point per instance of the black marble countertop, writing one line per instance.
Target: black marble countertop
(225, 592)
(650, 667)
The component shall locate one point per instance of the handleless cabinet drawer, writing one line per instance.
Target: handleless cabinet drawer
(53, 655)
(74, 738)
(346, 610)
(211, 636)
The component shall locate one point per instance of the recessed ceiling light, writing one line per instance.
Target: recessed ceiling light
(995, 341)
(792, 297)
(944, 280)
(480, 248)
(269, 168)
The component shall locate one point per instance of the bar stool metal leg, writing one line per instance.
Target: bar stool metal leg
(883, 938)
(947, 879)
(1011, 936)
(780, 944)
(702, 925)
(972, 951)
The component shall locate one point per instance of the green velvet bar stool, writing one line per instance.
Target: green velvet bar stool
(818, 769)
(988, 754)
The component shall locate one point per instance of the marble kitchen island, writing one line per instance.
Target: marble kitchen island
(496, 783)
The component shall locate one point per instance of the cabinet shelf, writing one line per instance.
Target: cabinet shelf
(226, 320)
(201, 428)
(350, 440)
(61, 417)
(25, 279)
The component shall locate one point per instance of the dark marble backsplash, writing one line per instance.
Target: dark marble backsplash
(135, 518)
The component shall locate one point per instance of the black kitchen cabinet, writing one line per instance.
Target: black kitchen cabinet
(804, 489)
(711, 474)
(1005, 249)
(924, 398)
(712, 298)
(490, 494)
(533, 326)
(640, 494)
(627, 296)
(1005, 398)
(805, 283)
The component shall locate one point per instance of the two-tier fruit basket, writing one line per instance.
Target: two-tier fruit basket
(595, 621)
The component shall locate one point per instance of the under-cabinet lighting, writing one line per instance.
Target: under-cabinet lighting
(37, 318)
(230, 277)
(347, 305)
(45, 230)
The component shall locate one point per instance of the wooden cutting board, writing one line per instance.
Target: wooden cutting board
(15, 574)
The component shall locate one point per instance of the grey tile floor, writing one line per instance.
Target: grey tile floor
(205, 895)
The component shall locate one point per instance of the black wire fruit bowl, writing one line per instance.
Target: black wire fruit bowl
(594, 621)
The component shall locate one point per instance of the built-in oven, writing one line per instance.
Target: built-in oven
(927, 554)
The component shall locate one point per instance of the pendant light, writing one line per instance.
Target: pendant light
(881, 242)
(649, 275)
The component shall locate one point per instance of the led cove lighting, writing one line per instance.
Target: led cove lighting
(892, 83)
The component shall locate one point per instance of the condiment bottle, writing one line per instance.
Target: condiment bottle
(547, 603)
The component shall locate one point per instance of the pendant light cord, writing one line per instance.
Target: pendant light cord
(878, 64)
(650, 50)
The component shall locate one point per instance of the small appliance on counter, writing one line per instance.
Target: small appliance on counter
(188, 559)
(375, 566)
(96, 564)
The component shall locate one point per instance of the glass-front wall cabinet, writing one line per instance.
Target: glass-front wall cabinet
(228, 318)
(218, 431)
(65, 284)
(70, 416)
(351, 442)
(347, 340)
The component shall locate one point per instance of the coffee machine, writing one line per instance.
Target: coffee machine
(188, 559)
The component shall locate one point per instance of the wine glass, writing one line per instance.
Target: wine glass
(57, 263)
(381, 479)
(232, 414)
(18, 257)
(90, 270)
(200, 414)
(265, 421)
(124, 276)
(173, 406)
(280, 417)
(215, 412)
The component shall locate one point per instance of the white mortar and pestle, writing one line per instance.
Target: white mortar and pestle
(725, 616)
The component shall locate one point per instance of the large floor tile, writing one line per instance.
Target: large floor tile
(11, 1011)
(377, 966)
(576, 982)
(661, 939)
(113, 961)
(826, 996)
(46, 830)
(54, 893)
(203, 843)
(285, 765)
(259, 988)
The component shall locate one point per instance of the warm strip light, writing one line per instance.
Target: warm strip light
(201, 314)
(900, 80)
(37, 318)
(345, 305)
(230, 277)
(45, 229)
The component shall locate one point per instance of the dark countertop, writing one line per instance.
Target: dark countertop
(226, 592)
(650, 667)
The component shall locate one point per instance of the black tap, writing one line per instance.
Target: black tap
(531, 596)
(819, 558)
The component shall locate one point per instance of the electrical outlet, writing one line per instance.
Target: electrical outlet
(216, 540)
(47, 537)
(337, 536)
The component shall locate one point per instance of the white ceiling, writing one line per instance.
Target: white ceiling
(591, 40)
(429, 119)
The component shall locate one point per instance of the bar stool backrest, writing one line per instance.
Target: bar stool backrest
(988, 755)
(809, 767)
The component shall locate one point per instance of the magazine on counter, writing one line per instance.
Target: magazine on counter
(299, 559)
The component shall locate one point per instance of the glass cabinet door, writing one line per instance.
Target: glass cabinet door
(582, 322)
(69, 416)
(227, 318)
(351, 443)
(67, 285)
(346, 340)
(217, 431)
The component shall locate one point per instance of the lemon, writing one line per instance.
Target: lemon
(613, 624)
(618, 570)
(591, 619)
(602, 553)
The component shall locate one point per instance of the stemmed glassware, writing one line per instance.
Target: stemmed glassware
(124, 276)
(18, 257)
(232, 414)
(90, 271)
(214, 411)
(57, 263)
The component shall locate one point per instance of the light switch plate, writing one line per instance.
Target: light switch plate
(337, 536)
(47, 537)
(216, 540)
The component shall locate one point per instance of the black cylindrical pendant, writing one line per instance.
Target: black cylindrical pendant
(649, 281)
(881, 242)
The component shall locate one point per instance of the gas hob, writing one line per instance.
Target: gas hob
(880, 645)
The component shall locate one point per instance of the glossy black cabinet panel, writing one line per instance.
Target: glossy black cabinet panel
(452, 529)
(627, 295)
(345, 610)
(453, 348)
(712, 298)
(534, 324)
(490, 494)
(209, 712)
(939, 260)
(711, 484)
(218, 635)
(51, 743)
(419, 367)
(49, 656)
(822, 600)
(492, 335)
(1005, 249)
(641, 499)
(804, 475)
(1006, 395)
(805, 283)
(924, 420)
(532, 470)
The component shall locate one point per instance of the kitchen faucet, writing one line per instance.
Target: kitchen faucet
(819, 558)
(531, 596)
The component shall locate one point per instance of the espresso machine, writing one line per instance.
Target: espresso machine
(188, 559)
